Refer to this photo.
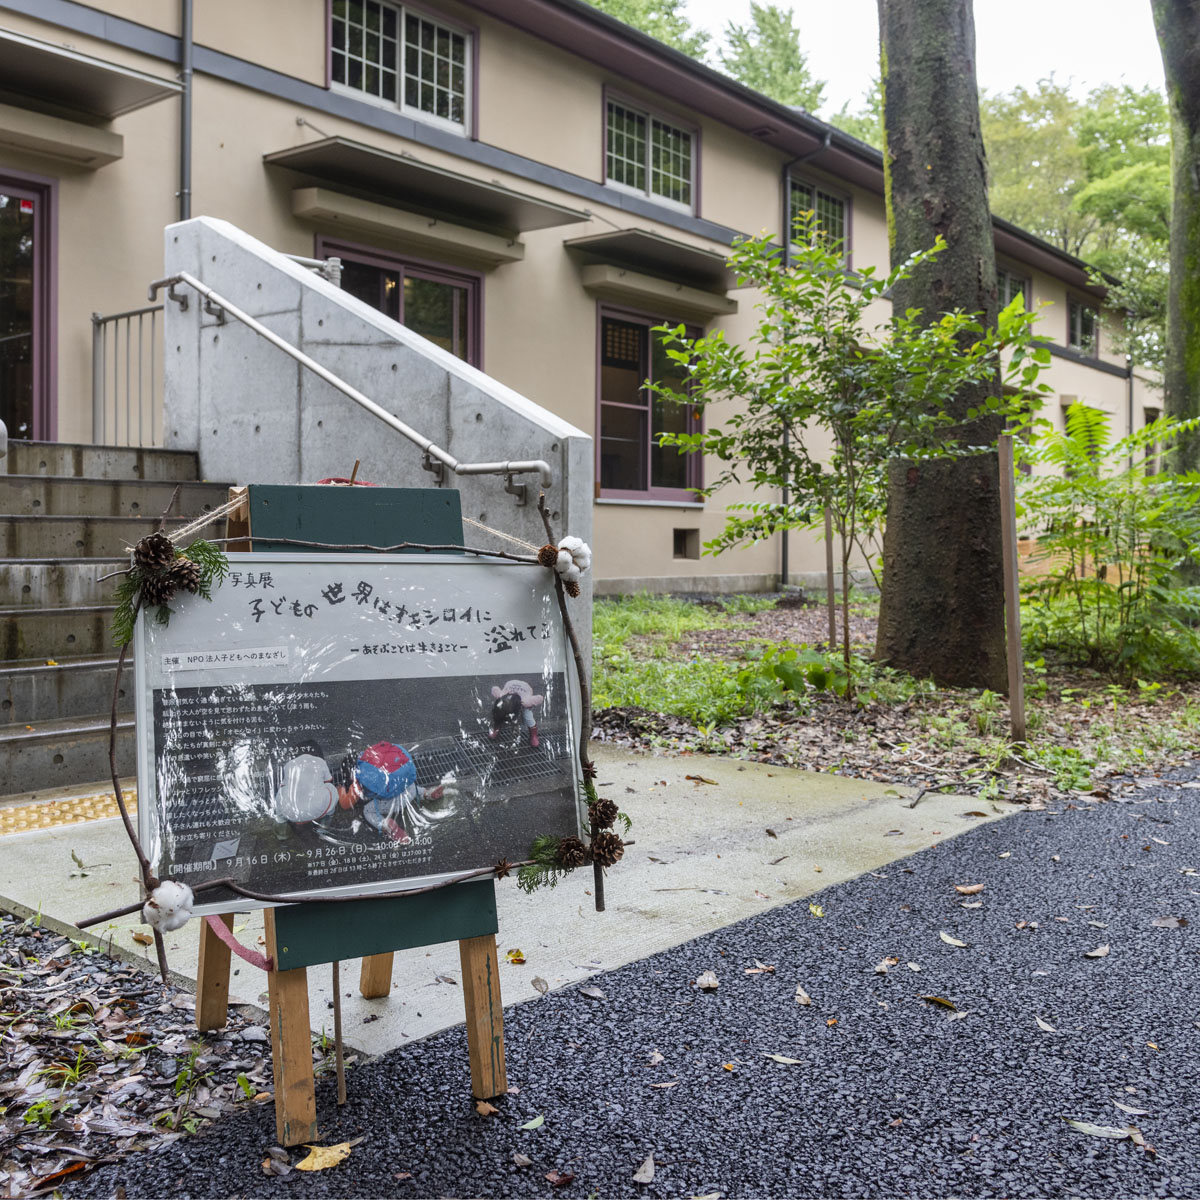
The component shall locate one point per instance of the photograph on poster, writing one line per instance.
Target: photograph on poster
(346, 723)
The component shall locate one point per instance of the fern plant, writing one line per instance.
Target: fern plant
(1116, 548)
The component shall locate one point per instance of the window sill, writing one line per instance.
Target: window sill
(403, 110)
(622, 500)
(662, 201)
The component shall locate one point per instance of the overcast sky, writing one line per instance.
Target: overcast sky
(1020, 41)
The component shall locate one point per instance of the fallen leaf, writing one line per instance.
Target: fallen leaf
(447, 979)
(1099, 952)
(707, 981)
(536, 1123)
(1098, 924)
(772, 833)
(1117, 1132)
(972, 904)
(761, 895)
(760, 968)
(515, 956)
(1169, 922)
(1045, 1026)
(593, 993)
(975, 813)
(952, 941)
(539, 984)
(914, 966)
(1133, 1112)
(50, 662)
(484, 1109)
(802, 997)
(669, 1084)
(522, 1160)
(402, 1175)
(832, 1021)
(968, 889)
(1152, 1045)
(958, 1016)
(655, 1059)
(881, 967)
(645, 1173)
(320, 1158)
(896, 1123)
(816, 910)
(1006, 854)
(730, 1066)
(783, 1058)
(142, 939)
(940, 1000)
(700, 779)
(559, 1178)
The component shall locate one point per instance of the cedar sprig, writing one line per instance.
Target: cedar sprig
(213, 566)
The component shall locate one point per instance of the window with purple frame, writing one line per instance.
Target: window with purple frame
(439, 303)
(631, 419)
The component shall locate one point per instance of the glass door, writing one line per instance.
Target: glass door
(21, 334)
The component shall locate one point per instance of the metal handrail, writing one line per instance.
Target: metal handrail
(215, 303)
(106, 405)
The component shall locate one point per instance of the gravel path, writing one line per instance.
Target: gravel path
(893, 1095)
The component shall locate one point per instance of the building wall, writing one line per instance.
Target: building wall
(539, 329)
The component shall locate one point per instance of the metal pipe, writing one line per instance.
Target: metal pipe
(522, 467)
(97, 379)
(185, 109)
(1129, 402)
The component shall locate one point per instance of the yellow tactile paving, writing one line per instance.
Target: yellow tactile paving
(51, 814)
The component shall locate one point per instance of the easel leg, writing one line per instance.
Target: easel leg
(375, 978)
(485, 1016)
(291, 1049)
(212, 978)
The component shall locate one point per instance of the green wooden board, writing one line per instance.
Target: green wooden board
(324, 931)
(344, 515)
(320, 932)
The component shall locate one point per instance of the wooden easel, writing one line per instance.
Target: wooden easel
(299, 936)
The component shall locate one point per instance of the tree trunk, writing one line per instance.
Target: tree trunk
(942, 613)
(1178, 26)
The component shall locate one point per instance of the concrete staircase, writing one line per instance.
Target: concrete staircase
(67, 515)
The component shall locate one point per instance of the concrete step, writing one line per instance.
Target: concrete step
(62, 753)
(50, 496)
(57, 582)
(81, 537)
(58, 633)
(99, 462)
(73, 689)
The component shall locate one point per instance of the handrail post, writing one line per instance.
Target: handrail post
(97, 379)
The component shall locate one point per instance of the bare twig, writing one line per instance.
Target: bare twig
(527, 559)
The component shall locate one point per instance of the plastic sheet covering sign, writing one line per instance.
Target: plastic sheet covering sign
(350, 723)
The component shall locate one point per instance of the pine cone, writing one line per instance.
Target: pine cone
(548, 555)
(602, 813)
(157, 590)
(607, 848)
(589, 769)
(571, 588)
(571, 853)
(154, 552)
(185, 575)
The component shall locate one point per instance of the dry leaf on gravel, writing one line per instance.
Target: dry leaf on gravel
(952, 941)
(802, 997)
(1116, 1132)
(783, 1058)
(521, 1160)
(1133, 1112)
(881, 967)
(655, 1059)
(1045, 1026)
(669, 1084)
(940, 1000)
(968, 889)
(760, 968)
(593, 993)
(515, 956)
(539, 984)
(1169, 922)
(645, 1173)
(484, 1109)
(1099, 952)
(536, 1123)
(557, 1178)
(321, 1158)
(707, 981)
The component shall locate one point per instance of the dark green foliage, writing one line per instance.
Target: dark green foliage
(1114, 545)
(766, 55)
(139, 587)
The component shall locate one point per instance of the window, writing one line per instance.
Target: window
(402, 57)
(1083, 327)
(1153, 465)
(829, 211)
(439, 303)
(648, 155)
(1009, 285)
(632, 463)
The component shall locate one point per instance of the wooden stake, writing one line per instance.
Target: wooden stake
(1012, 591)
(375, 978)
(339, 1059)
(291, 1048)
(354, 473)
(485, 1016)
(830, 595)
(212, 978)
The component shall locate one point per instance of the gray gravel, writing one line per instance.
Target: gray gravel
(892, 1098)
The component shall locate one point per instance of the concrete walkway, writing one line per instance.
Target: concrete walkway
(716, 840)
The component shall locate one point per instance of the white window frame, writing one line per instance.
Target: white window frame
(1074, 304)
(1016, 277)
(650, 117)
(403, 11)
(816, 187)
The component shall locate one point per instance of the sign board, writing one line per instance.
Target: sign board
(343, 723)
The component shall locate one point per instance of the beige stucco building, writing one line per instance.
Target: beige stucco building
(527, 182)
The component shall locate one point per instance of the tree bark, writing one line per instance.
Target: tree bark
(1178, 25)
(942, 612)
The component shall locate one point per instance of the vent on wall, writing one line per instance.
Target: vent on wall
(687, 543)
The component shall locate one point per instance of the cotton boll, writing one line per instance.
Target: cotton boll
(579, 552)
(565, 562)
(169, 907)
